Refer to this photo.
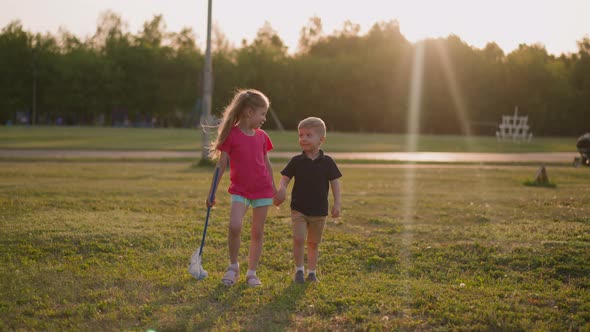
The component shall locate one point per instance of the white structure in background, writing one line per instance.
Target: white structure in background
(514, 127)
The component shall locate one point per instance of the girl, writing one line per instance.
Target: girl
(242, 143)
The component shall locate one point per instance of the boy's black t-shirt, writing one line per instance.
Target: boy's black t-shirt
(312, 183)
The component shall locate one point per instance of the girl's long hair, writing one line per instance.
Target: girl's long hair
(232, 115)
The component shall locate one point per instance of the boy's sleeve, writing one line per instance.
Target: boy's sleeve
(289, 170)
(333, 171)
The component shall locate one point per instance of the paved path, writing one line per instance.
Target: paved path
(451, 157)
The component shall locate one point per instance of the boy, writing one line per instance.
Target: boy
(314, 173)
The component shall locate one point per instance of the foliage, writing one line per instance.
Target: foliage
(355, 82)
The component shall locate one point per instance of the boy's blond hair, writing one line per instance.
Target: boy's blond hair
(315, 123)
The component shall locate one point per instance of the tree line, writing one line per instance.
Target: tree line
(354, 81)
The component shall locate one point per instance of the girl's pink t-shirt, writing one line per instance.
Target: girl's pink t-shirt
(248, 173)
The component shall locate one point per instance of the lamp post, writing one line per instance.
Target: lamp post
(207, 89)
(34, 102)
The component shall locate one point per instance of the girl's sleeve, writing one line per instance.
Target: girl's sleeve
(226, 145)
(267, 142)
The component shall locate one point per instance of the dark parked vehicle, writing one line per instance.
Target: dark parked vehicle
(583, 145)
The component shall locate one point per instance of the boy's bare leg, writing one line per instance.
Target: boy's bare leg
(257, 236)
(314, 237)
(236, 217)
(299, 232)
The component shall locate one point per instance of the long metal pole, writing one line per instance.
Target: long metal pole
(207, 88)
(34, 106)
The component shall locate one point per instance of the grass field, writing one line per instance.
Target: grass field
(105, 246)
(105, 138)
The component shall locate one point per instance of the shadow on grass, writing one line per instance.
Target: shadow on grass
(534, 183)
(266, 308)
(276, 314)
(220, 301)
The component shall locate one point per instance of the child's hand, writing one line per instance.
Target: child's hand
(210, 203)
(279, 197)
(336, 211)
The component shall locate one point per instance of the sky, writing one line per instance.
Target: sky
(557, 24)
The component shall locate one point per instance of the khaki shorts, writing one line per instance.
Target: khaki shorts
(297, 216)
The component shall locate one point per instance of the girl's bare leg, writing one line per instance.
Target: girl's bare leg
(238, 210)
(257, 236)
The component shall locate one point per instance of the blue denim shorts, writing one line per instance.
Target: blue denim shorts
(254, 202)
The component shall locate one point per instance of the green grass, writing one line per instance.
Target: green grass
(105, 246)
(105, 138)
